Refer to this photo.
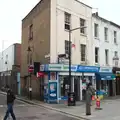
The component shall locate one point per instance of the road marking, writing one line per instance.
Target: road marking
(1, 106)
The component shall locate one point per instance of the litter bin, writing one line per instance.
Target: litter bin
(71, 99)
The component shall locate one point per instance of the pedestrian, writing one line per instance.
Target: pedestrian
(89, 92)
(10, 102)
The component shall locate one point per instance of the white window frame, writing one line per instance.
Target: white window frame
(107, 57)
(82, 24)
(115, 37)
(106, 33)
(83, 55)
(96, 30)
(97, 55)
(67, 20)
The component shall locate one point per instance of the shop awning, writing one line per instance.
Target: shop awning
(105, 76)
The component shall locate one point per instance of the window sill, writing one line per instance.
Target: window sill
(96, 38)
(106, 41)
(97, 64)
(116, 43)
(83, 62)
(107, 64)
(66, 30)
(85, 35)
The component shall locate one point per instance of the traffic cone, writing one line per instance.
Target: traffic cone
(98, 104)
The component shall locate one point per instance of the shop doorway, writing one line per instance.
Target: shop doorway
(77, 87)
(110, 86)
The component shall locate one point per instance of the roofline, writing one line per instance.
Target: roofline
(83, 4)
(40, 3)
(10, 46)
(112, 23)
(32, 10)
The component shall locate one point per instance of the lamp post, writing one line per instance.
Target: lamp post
(69, 54)
(29, 64)
(115, 61)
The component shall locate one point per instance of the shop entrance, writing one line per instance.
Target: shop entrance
(77, 87)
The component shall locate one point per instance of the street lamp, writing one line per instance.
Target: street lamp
(115, 61)
(69, 54)
(29, 64)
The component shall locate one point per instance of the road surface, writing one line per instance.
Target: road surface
(24, 111)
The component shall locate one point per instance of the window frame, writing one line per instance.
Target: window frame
(106, 33)
(115, 37)
(96, 31)
(31, 32)
(83, 52)
(67, 21)
(106, 56)
(97, 55)
(82, 24)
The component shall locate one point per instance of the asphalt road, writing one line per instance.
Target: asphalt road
(24, 111)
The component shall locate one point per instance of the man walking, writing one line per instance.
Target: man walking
(10, 102)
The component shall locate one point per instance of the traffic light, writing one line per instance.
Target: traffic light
(36, 67)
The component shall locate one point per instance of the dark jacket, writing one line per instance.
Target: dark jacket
(10, 97)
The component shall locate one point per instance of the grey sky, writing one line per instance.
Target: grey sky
(12, 12)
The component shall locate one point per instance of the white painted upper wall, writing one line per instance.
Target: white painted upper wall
(59, 34)
(110, 45)
(10, 59)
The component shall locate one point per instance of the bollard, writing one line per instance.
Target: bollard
(98, 104)
(88, 103)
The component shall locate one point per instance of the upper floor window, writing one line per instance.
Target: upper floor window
(106, 33)
(116, 54)
(82, 24)
(115, 37)
(67, 21)
(96, 55)
(67, 47)
(83, 52)
(106, 56)
(31, 32)
(96, 30)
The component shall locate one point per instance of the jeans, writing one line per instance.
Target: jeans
(9, 110)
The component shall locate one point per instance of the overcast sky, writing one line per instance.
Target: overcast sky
(12, 12)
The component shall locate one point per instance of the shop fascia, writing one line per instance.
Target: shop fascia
(74, 68)
(105, 70)
(61, 67)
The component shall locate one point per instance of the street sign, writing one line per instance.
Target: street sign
(30, 69)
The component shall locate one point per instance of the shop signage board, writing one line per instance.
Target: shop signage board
(87, 69)
(60, 67)
(74, 68)
(106, 69)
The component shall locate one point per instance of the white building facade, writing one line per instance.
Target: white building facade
(106, 49)
(7, 59)
(67, 15)
(106, 37)
(70, 14)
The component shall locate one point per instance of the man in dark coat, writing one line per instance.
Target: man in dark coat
(10, 102)
(89, 92)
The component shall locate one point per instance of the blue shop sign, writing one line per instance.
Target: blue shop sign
(92, 69)
(105, 76)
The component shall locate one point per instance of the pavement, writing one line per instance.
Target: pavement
(110, 109)
(26, 111)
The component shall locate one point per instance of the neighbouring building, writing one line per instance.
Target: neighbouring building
(45, 32)
(10, 61)
(106, 36)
